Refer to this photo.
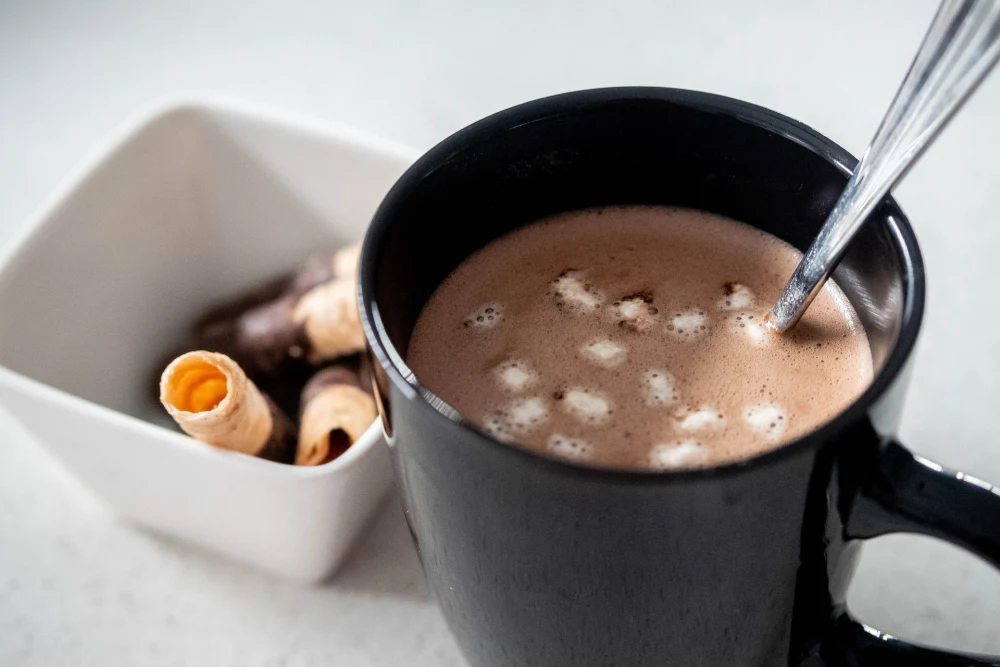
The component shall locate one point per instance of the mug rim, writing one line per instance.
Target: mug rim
(902, 237)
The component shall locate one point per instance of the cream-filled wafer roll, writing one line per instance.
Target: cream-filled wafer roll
(212, 400)
(330, 319)
(336, 411)
(311, 328)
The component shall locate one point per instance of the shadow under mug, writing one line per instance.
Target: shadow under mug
(540, 562)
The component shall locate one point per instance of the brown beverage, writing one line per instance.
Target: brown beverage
(634, 338)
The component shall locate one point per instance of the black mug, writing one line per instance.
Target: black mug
(540, 562)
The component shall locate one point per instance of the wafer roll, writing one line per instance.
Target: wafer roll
(285, 389)
(329, 316)
(317, 269)
(336, 411)
(313, 328)
(212, 400)
(222, 313)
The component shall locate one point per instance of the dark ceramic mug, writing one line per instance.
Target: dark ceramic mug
(539, 562)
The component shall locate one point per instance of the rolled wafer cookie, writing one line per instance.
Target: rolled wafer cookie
(222, 313)
(328, 314)
(336, 411)
(212, 400)
(311, 328)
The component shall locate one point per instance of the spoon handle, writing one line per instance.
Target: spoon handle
(960, 48)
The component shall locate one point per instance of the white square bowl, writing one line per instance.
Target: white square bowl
(196, 201)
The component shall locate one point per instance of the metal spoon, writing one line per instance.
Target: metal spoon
(960, 48)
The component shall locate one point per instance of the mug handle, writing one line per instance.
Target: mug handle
(898, 492)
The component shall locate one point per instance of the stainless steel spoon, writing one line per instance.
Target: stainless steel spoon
(960, 48)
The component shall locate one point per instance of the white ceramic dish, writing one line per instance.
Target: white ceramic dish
(194, 201)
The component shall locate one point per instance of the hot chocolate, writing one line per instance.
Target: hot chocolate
(634, 338)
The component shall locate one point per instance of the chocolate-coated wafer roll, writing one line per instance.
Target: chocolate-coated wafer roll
(324, 267)
(328, 314)
(261, 340)
(336, 411)
(318, 326)
(212, 400)
(317, 269)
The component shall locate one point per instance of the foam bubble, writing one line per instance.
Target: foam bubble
(604, 352)
(568, 448)
(518, 417)
(636, 313)
(688, 324)
(496, 425)
(736, 297)
(660, 388)
(587, 405)
(526, 414)
(703, 418)
(515, 375)
(487, 316)
(751, 326)
(767, 419)
(572, 292)
(683, 453)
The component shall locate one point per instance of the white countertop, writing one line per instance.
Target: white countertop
(78, 587)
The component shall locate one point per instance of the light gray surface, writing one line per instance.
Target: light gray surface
(78, 587)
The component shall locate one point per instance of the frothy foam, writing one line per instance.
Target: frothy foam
(486, 316)
(751, 327)
(568, 448)
(703, 418)
(515, 376)
(526, 414)
(660, 388)
(683, 453)
(574, 293)
(636, 312)
(587, 405)
(618, 339)
(605, 352)
(496, 425)
(689, 324)
(736, 297)
(517, 418)
(767, 419)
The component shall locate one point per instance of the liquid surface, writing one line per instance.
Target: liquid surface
(633, 338)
